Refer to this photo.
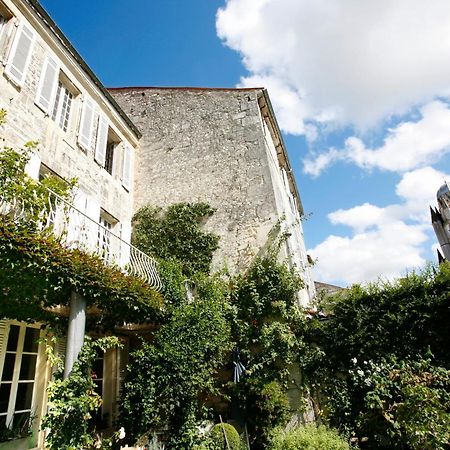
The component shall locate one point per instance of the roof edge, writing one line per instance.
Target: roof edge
(282, 145)
(182, 88)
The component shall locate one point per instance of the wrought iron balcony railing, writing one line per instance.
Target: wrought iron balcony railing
(75, 229)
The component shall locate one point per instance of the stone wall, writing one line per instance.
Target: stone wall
(206, 145)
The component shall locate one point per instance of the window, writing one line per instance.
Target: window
(62, 107)
(17, 371)
(20, 54)
(53, 96)
(109, 157)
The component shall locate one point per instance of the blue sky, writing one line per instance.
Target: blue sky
(360, 88)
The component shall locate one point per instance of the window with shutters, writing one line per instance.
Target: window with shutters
(53, 94)
(18, 364)
(106, 143)
(20, 54)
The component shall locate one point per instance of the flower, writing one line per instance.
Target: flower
(122, 433)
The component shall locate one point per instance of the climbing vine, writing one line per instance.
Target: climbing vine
(73, 401)
(176, 234)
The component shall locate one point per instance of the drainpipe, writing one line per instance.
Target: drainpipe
(75, 333)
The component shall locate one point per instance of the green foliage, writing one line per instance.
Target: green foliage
(407, 403)
(33, 195)
(368, 368)
(176, 234)
(308, 438)
(217, 434)
(265, 406)
(72, 401)
(167, 378)
(172, 279)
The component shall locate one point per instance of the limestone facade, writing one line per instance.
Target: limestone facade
(223, 147)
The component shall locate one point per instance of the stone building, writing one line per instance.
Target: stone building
(223, 147)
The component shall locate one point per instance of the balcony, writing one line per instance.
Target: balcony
(76, 230)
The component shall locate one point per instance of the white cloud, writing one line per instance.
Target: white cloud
(385, 241)
(385, 252)
(407, 146)
(349, 61)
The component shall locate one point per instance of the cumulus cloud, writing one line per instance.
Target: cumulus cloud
(407, 146)
(345, 61)
(385, 252)
(384, 241)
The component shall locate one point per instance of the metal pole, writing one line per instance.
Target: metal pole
(224, 432)
(75, 332)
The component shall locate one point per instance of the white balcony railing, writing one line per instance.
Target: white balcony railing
(75, 229)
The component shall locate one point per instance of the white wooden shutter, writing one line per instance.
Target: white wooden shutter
(4, 328)
(33, 166)
(86, 123)
(126, 168)
(102, 140)
(125, 234)
(20, 54)
(76, 225)
(92, 226)
(285, 179)
(48, 83)
(61, 348)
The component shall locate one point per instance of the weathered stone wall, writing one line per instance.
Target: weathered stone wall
(206, 145)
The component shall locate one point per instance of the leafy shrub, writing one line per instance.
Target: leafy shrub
(308, 438)
(369, 373)
(407, 403)
(217, 434)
